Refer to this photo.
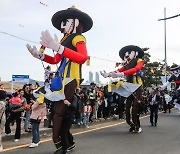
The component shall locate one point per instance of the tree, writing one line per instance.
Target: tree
(147, 77)
(152, 70)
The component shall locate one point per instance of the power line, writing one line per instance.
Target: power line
(103, 59)
(20, 38)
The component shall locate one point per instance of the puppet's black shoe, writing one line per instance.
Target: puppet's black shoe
(71, 147)
(138, 130)
(60, 151)
(131, 129)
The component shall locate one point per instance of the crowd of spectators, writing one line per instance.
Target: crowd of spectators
(93, 103)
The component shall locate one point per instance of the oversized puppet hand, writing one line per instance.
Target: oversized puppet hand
(116, 74)
(165, 85)
(104, 74)
(33, 50)
(49, 42)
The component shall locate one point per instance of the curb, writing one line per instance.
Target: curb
(7, 138)
(46, 130)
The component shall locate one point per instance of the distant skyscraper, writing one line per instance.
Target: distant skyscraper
(90, 77)
(97, 77)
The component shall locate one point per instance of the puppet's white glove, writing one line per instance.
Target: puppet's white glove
(33, 50)
(52, 43)
(165, 85)
(117, 74)
(104, 74)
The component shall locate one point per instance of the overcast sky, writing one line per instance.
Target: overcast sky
(117, 23)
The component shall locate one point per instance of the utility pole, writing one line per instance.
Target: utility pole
(165, 59)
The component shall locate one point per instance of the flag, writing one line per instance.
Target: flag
(88, 62)
(117, 64)
(152, 69)
(170, 73)
(163, 70)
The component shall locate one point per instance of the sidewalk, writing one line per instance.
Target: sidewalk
(45, 130)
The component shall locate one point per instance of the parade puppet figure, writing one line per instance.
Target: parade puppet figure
(175, 70)
(71, 53)
(132, 55)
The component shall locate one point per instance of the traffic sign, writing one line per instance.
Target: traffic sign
(20, 78)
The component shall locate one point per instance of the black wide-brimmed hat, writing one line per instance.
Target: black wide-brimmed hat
(174, 67)
(131, 48)
(72, 13)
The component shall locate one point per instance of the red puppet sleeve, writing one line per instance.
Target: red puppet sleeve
(137, 68)
(80, 56)
(52, 60)
(121, 69)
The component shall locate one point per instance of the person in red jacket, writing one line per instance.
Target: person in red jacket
(132, 55)
(72, 53)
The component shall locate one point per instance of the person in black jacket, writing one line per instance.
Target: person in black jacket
(154, 100)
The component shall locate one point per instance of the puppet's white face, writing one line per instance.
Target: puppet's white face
(176, 72)
(69, 25)
(129, 55)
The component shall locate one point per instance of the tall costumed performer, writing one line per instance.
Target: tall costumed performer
(132, 89)
(175, 70)
(71, 53)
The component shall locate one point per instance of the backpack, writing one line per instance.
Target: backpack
(56, 82)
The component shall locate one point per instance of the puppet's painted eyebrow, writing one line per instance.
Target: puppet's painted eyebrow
(65, 22)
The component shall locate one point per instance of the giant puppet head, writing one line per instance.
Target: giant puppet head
(175, 69)
(71, 21)
(130, 52)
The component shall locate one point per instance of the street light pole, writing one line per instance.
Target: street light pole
(165, 58)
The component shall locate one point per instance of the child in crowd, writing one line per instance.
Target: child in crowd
(47, 73)
(86, 110)
(2, 114)
(38, 114)
(16, 100)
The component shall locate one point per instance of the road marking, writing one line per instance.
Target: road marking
(94, 129)
(82, 132)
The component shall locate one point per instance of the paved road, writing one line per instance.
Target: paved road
(114, 138)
